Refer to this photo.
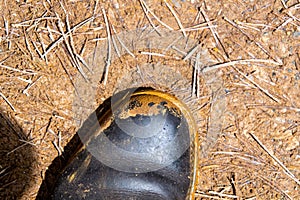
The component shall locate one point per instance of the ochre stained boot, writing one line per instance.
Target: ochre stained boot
(140, 146)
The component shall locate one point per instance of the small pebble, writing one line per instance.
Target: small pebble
(297, 76)
(296, 34)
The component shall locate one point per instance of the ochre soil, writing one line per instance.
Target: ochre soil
(248, 83)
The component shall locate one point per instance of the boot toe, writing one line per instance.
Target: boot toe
(140, 148)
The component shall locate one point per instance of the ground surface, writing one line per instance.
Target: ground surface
(246, 69)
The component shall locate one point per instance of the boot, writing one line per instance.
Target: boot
(140, 145)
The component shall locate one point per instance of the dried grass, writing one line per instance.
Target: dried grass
(255, 46)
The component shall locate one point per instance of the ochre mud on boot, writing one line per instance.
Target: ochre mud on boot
(140, 123)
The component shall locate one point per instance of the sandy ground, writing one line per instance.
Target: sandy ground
(241, 60)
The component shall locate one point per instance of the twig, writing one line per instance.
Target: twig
(57, 144)
(191, 52)
(108, 60)
(115, 46)
(95, 7)
(18, 147)
(252, 25)
(81, 59)
(57, 148)
(152, 54)
(36, 22)
(17, 70)
(223, 195)
(158, 54)
(240, 62)
(27, 22)
(284, 4)
(252, 40)
(232, 183)
(274, 186)
(28, 45)
(50, 36)
(275, 107)
(245, 26)
(295, 6)
(178, 50)
(286, 170)
(82, 49)
(172, 44)
(147, 16)
(199, 28)
(198, 73)
(7, 101)
(59, 140)
(6, 26)
(72, 50)
(177, 19)
(246, 157)
(95, 50)
(284, 23)
(7, 184)
(98, 39)
(36, 47)
(207, 196)
(152, 13)
(61, 38)
(122, 44)
(6, 58)
(213, 31)
(200, 25)
(28, 142)
(3, 170)
(256, 85)
(195, 77)
(69, 45)
(30, 85)
(43, 47)
(68, 73)
(25, 80)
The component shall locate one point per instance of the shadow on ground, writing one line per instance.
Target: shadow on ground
(57, 167)
(61, 162)
(17, 159)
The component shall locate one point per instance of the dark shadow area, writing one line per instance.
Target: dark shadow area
(17, 159)
(57, 167)
(70, 152)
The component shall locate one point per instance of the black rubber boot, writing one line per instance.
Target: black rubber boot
(141, 147)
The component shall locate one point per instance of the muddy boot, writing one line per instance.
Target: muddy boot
(139, 146)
